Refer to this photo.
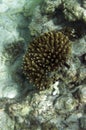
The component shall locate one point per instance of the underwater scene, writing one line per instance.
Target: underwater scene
(42, 64)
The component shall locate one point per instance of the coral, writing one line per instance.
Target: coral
(70, 32)
(11, 51)
(44, 55)
(49, 6)
(73, 10)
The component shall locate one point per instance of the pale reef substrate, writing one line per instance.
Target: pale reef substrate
(63, 105)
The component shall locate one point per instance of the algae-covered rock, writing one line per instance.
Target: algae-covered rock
(5, 121)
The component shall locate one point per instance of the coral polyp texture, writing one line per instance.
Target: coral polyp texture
(12, 51)
(44, 55)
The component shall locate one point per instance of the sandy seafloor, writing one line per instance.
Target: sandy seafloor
(63, 105)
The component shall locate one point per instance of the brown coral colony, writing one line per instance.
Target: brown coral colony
(44, 55)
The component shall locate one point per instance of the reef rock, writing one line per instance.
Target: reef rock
(63, 105)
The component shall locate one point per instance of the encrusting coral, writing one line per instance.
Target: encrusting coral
(44, 55)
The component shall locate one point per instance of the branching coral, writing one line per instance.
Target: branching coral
(44, 55)
(11, 51)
